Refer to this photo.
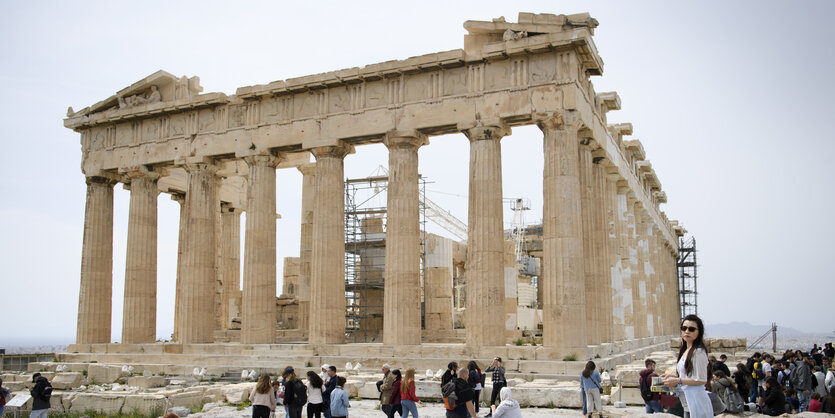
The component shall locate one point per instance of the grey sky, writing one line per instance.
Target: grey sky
(732, 101)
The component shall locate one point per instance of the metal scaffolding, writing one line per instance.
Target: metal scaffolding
(687, 277)
(365, 250)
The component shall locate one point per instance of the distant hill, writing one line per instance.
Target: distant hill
(744, 329)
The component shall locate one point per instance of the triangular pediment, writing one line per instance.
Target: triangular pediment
(158, 87)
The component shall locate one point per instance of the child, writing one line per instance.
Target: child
(815, 403)
(792, 401)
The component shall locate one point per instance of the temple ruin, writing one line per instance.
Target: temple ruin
(606, 253)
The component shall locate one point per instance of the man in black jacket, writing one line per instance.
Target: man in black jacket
(329, 387)
(720, 365)
(464, 394)
(41, 393)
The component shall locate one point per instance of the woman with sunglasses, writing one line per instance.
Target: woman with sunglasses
(693, 369)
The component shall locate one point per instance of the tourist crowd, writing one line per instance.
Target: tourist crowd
(324, 394)
(798, 381)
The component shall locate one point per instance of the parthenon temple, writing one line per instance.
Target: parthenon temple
(606, 253)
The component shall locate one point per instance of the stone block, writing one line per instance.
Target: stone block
(13, 377)
(191, 398)
(237, 393)
(352, 389)
(99, 402)
(630, 395)
(67, 380)
(628, 375)
(102, 373)
(147, 381)
(145, 404)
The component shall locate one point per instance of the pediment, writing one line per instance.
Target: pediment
(159, 87)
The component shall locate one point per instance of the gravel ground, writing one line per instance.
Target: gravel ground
(369, 408)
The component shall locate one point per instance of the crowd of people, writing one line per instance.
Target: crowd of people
(324, 394)
(704, 385)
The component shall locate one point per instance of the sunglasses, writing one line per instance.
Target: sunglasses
(691, 329)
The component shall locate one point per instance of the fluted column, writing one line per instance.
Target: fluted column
(589, 254)
(139, 318)
(619, 298)
(258, 319)
(639, 282)
(230, 261)
(306, 245)
(401, 316)
(601, 246)
(659, 304)
(327, 279)
(485, 238)
(563, 274)
(197, 284)
(181, 200)
(96, 290)
(625, 250)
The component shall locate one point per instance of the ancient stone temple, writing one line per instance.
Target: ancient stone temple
(607, 252)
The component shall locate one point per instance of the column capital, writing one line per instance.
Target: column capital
(128, 174)
(227, 208)
(405, 139)
(193, 164)
(264, 160)
(102, 178)
(485, 131)
(179, 198)
(307, 169)
(339, 150)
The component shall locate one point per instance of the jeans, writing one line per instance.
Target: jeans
(260, 411)
(38, 413)
(755, 392)
(326, 410)
(409, 406)
(497, 387)
(395, 408)
(653, 407)
(314, 409)
(804, 400)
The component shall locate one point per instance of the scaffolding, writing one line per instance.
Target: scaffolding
(688, 291)
(365, 250)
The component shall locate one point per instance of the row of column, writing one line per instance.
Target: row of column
(600, 252)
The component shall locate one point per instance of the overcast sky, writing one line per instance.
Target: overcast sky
(733, 102)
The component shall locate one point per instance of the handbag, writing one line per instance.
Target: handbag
(598, 387)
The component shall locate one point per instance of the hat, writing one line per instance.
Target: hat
(289, 370)
(326, 366)
(35, 376)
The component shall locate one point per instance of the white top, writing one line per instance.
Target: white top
(766, 372)
(699, 361)
(314, 395)
(265, 399)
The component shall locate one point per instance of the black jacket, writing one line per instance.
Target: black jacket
(329, 387)
(774, 402)
(723, 367)
(40, 394)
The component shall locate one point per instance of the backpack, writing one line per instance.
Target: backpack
(646, 391)
(735, 404)
(448, 392)
(299, 393)
(46, 393)
(814, 380)
(758, 373)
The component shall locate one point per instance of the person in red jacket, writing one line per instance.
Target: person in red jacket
(408, 399)
(394, 399)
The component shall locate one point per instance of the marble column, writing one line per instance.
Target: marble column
(327, 278)
(589, 254)
(624, 250)
(181, 199)
(563, 276)
(601, 249)
(258, 312)
(197, 284)
(230, 262)
(96, 290)
(639, 312)
(139, 320)
(306, 246)
(644, 275)
(401, 303)
(619, 298)
(485, 239)
(659, 302)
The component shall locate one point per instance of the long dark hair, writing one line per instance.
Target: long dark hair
(472, 365)
(697, 343)
(314, 379)
(590, 366)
